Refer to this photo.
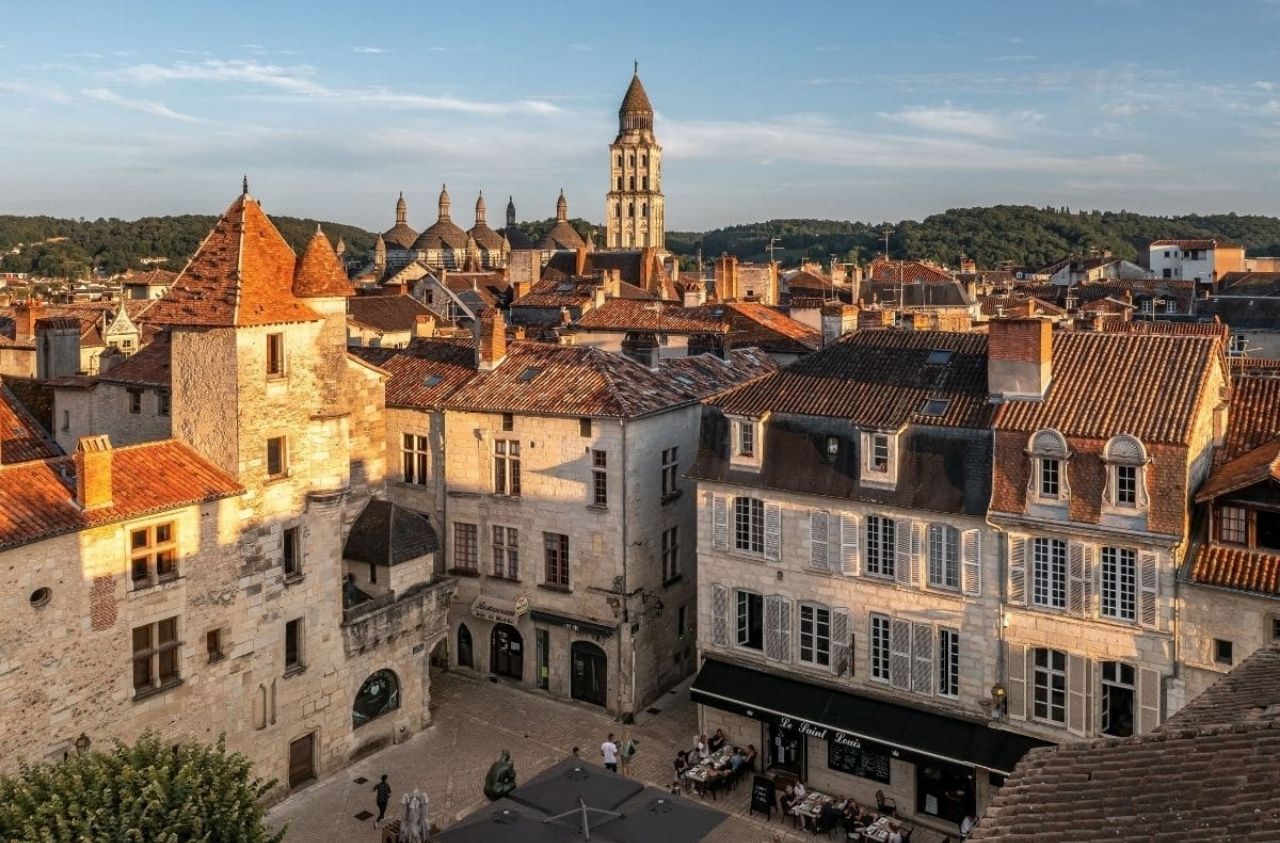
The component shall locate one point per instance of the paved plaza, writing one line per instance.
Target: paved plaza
(474, 720)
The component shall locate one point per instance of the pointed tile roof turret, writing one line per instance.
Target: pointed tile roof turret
(444, 233)
(319, 273)
(241, 275)
(636, 112)
(400, 235)
(562, 235)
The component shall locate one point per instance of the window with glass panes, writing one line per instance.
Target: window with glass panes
(506, 553)
(748, 524)
(1126, 485)
(555, 548)
(465, 550)
(1119, 583)
(506, 467)
(815, 634)
(1117, 699)
(293, 655)
(1233, 525)
(948, 662)
(1049, 685)
(155, 655)
(415, 454)
(1049, 573)
(277, 456)
(879, 452)
(1050, 477)
(670, 469)
(880, 647)
(944, 556)
(750, 620)
(880, 546)
(599, 478)
(746, 439)
(670, 554)
(153, 555)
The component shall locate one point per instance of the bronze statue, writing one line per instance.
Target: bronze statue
(501, 779)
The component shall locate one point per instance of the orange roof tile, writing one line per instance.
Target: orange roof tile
(21, 436)
(150, 366)
(37, 500)
(319, 274)
(1253, 416)
(906, 271)
(1237, 567)
(241, 275)
(1262, 463)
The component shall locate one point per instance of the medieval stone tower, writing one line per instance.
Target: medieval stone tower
(635, 211)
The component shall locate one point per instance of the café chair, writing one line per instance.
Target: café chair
(886, 807)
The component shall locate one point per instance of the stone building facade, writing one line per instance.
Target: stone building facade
(635, 208)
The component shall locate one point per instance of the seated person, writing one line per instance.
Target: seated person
(827, 819)
(895, 834)
(851, 816)
(750, 758)
(717, 740)
(800, 791)
(736, 759)
(789, 798)
(967, 825)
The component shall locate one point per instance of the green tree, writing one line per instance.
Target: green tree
(141, 793)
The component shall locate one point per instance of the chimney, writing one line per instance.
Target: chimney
(648, 257)
(837, 320)
(491, 343)
(612, 283)
(93, 472)
(968, 265)
(25, 316)
(598, 296)
(580, 261)
(424, 325)
(695, 294)
(1019, 358)
(726, 277)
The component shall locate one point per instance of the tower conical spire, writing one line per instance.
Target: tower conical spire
(562, 208)
(511, 212)
(402, 210)
(480, 209)
(444, 202)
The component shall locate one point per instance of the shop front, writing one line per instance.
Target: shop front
(927, 764)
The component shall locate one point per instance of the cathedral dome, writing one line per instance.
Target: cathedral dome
(444, 233)
(562, 235)
(486, 238)
(400, 235)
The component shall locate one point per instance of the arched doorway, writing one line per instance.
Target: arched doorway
(589, 676)
(464, 646)
(506, 656)
(379, 694)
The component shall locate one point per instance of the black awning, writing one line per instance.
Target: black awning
(589, 627)
(821, 711)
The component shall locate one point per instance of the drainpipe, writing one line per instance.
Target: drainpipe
(626, 609)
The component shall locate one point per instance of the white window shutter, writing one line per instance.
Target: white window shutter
(719, 522)
(784, 629)
(903, 564)
(772, 627)
(841, 651)
(900, 654)
(772, 531)
(850, 559)
(819, 540)
(1015, 666)
(1149, 682)
(719, 615)
(1077, 694)
(922, 658)
(1018, 570)
(971, 557)
(1075, 579)
(1090, 581)
(1148, 589)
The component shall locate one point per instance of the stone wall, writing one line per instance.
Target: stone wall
(1208, 613)
(104, 409)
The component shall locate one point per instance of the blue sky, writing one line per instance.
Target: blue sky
(841, 109)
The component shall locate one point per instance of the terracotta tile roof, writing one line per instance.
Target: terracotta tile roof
(21, 436)
(319, 273)
(1146, 385)
(424, 373)
(1249, 284)
(1242, 696)
(37, 498)
(242, 274)
(1163, 326)
(907, 272)
(1253, 416)
(554, 380)
(150, 366)
(387, 314)
(639, 315)
(1256, 466)
(1016, 305)
(479, 290)
(151, 278)
(1240, 568)
(1248, 367)
(1195, 244)
(878, 379)
(755, 324)
(556, 290)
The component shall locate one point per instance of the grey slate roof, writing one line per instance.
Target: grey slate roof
(387, 534)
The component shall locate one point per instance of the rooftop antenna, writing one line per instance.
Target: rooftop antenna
(772, 247)
(885, 232)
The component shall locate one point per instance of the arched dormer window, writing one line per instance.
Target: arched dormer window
(1126, 461)
(1049, 455)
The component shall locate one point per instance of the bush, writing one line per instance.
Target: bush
(140, 793)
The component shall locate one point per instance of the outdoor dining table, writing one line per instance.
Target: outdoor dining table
(698, 772)
(878, 831)
(811, 806)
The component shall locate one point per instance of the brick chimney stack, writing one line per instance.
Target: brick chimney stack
(1019, 358)
(580, 261)
(93, 472)
(491, 344)
(25, 317)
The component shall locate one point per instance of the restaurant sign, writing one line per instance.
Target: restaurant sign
(500, 611)
(835, 736)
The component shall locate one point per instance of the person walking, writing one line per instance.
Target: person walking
(627, 752)
(609, 751)
(382, 793)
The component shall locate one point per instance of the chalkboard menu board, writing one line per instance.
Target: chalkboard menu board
(763, 796)
(858, 759)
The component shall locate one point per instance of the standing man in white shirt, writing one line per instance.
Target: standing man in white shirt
(609, 750)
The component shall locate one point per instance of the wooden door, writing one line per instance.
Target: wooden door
(302, 767)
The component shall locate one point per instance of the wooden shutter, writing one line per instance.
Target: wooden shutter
(719, 615)
(719, 522)
(772, 626)
(1076, 579)
(850, 559)
(784, 629)
(1077, 694)
(1015, 684)
(971, 561)
(922, 658)
(1148, 589)
(900, 654)
(1089, 586)
(1017, 570)
(841, 648)
(903, 562)
(1148, 700)
(819, 544)
(772, 531)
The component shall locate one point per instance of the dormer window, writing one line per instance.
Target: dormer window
(1126, 460)
(1049, 457)
(1233, 525)
(746, 440)
(879, 458)
(880, 453)
(746, 445)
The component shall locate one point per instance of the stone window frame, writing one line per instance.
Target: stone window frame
(274, 357)
(163, 656)
(1048, 672)
(1118, 587)
(1047, 450)
(295, 654)
(466, 546)
(506, 551)
(415, 459)
(742, 621)
(813, 608)
(948, 664)
(671, 554)
(938, 536)
(746, 430)
(878, 445)
(1124, 451)
(154, 553)
(506, 467)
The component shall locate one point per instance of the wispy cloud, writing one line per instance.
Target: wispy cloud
(1123, 109)
(401, 99)
(1017, 57)
(156, 109)
(371, 51)
(582, 48)
(47, 93)
(947, 119)
(295, 80)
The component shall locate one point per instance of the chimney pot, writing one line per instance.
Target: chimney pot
(93, 472)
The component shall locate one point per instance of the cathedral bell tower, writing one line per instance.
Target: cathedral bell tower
(635, 209)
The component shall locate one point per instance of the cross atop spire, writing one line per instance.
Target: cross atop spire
(635, 71)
